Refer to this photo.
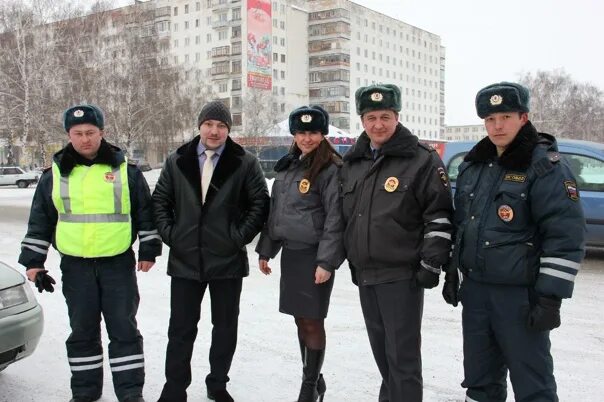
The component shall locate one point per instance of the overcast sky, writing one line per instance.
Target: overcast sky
(489, 41)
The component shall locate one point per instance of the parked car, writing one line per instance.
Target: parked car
(21, 317)
(14, 175)
(586, 160)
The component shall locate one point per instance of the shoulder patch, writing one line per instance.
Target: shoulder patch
(571, 189)
(443, 176)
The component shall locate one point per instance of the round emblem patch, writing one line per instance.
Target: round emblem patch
(109, 177)
(505, 213)
(391, 184)
(496, 100)
(377, 97)
(304, 186)
(78, 113)
(306, 118)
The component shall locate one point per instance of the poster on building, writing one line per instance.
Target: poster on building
(259, 45)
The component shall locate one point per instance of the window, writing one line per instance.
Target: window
(209, 38)
(175, 11)
(186, 24)
(197, 6)
(282, 58)
(187, 41)
(197, 39)
(186, 58)
(186, 9)
(175, 43)
(588, 172)
(223, 86)
(222, 34)
(282, 41)
(175, 27)
(275, 57)
(236, 85)
(197, 23)
(282, 24)
(282, 75)
(236, 14)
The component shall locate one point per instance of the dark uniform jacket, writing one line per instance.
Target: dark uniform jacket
(303, 220)
(518, 217)
(397, 209)
(208, 242)
(43, 216)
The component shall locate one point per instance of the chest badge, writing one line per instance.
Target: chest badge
(304, 186)
(391, 184)
(109, 177)
(505, 213)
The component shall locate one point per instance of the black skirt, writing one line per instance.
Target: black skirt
(299, 295)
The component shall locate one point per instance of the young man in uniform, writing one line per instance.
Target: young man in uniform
(397, 209)
(519, 245)
(91, 205)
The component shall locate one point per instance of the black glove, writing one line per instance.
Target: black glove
(544, 314)
(426, 279)
(44, 282)
(451, 288)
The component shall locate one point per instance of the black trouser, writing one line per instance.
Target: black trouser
(393, 316)
(103, 285)
(495, 339)
(185, 304)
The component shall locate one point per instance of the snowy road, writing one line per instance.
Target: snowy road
(266, 366)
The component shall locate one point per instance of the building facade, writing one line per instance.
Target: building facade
(474, 132)
(291, 52)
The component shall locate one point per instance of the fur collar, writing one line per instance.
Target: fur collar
(188, 163)
(401, 144)
(518, 154)
(68, 158)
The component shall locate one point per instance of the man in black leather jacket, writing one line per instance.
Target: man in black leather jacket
(211, 200)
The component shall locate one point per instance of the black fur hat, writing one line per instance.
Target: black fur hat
(378, 97)
(215, 110)
(82, 114)
(309, 118)
(502, 97)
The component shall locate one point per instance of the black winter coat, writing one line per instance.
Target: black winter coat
(208, 242)
(43, 216)
(518, 217)
(397, 209)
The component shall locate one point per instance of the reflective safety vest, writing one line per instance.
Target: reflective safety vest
(93, 203)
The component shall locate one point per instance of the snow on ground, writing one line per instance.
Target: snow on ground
(267, 367)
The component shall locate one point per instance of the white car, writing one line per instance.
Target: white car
(21, 317)
(14, 175)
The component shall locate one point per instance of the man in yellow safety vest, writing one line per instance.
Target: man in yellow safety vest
(91, 205)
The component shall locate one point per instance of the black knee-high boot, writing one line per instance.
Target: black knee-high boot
(313, 361)
(321, 386)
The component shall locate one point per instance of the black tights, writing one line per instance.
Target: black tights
(311, 332)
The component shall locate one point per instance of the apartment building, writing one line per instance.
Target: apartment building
(306, 51)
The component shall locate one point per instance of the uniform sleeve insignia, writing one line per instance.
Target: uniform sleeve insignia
(443, 176)
(377, 96)
(391, 184)
(496, 100)
(571, 190)
(304, 186)
(515, 177)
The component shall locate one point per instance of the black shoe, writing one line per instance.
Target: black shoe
(222, 395)
(134, 399)
(83, 399)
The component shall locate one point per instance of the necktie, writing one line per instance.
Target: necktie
(206, 174)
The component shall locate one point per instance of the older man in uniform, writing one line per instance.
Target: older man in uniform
(397, 207)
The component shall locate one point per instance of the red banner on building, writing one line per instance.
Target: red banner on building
(259, 45)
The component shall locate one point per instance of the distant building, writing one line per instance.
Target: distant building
(473, 132)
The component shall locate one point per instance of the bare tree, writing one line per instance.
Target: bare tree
(564, 107)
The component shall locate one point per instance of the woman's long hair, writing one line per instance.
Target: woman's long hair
(318, 159)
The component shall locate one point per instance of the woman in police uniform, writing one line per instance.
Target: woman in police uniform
(305, 222)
